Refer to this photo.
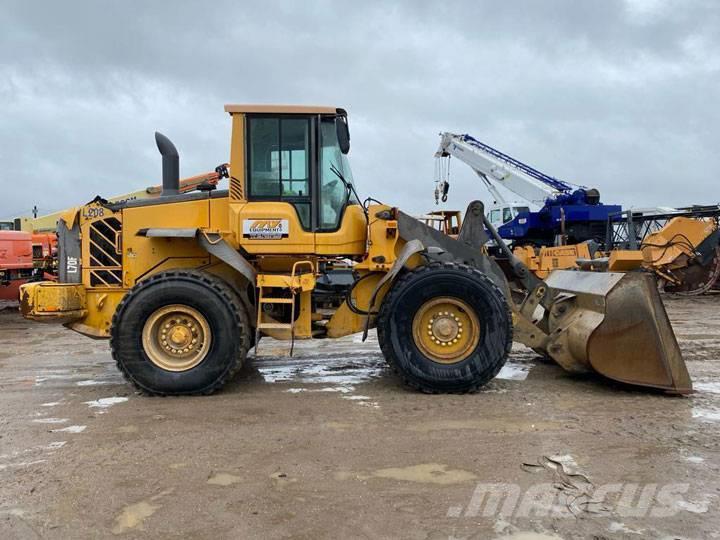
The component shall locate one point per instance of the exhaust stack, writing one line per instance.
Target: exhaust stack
(170, 165)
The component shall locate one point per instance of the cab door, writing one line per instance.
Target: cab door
(341, 223)
(280, 169)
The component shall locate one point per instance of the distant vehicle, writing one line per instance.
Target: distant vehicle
(16, 262)
(566, 213)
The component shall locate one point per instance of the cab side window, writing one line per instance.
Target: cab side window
(279, 162)
(507, 215)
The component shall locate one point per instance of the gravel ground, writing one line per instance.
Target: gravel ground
(328, 444)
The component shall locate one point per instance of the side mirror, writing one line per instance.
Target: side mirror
(343, 133)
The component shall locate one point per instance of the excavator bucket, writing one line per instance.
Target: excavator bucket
(614, 324)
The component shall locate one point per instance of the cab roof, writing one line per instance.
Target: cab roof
(283, 109)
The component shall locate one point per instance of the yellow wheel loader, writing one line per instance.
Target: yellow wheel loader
(184, 284)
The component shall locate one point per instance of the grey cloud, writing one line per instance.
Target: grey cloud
(618, 95)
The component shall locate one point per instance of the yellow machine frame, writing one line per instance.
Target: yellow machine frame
(144, 256)
(270, 263)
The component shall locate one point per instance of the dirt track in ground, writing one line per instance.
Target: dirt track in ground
(329, 445)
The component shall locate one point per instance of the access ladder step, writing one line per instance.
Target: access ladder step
(266, 300)
(274, 326)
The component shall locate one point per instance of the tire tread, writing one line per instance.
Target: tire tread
(220, 287)
(384, 318)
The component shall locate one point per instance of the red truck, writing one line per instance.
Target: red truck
(44, 249)
(16, 262)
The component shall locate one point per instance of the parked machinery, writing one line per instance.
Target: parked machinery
(542, 261)
(568, 213)
(16, 262)
(181, 285)
(47, 224)
(680, 246)
(446, 221)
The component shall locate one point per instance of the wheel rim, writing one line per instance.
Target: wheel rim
(176, 337)
(446, 330)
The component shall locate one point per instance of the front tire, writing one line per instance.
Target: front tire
(445, 328)
(180, 332)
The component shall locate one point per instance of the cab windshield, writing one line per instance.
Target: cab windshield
(333, 192)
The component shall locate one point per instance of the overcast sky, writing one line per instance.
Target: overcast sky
(616, 94)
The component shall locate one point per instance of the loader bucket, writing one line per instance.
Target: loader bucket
(614, 324)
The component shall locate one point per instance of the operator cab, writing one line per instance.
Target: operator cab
(446, 221)
(502, 214)
(298, 155)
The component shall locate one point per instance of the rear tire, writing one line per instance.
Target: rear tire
(421, 323)
(180, 332)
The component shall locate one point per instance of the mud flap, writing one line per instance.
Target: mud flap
(614, 324)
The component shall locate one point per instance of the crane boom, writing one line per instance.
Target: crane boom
(567, 212)
(48, 222)
(499, 199)
(496, 167)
